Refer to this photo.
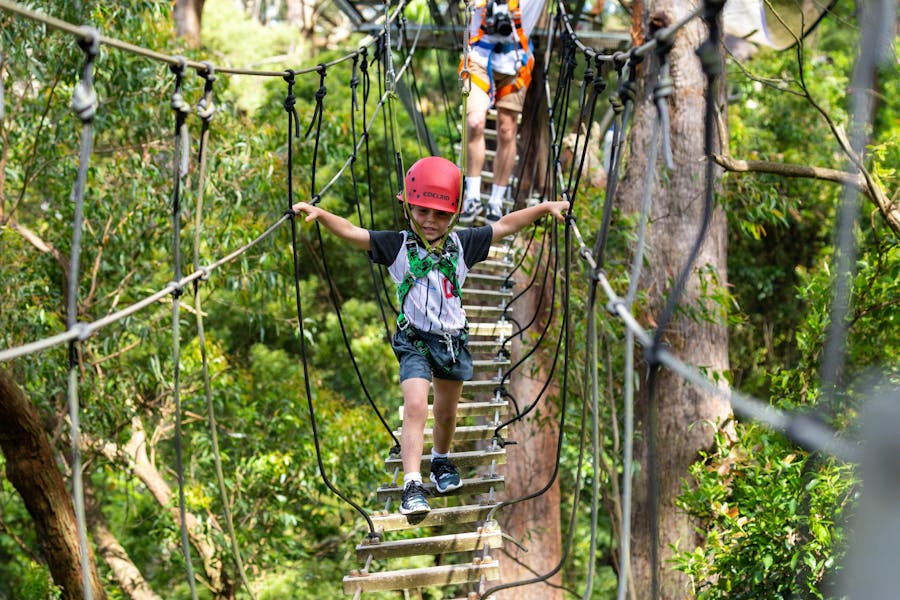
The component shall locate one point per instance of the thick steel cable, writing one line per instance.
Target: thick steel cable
(292, 130)
(872, 52)
(803, 430)
(205, 110)
(81, 331)
(84, 105)
(179, 170)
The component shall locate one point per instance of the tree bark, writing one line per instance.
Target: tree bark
(535, 523)
(32, 469)
(188, 16)
(686, 417)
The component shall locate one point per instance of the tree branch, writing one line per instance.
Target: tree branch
(889, 209)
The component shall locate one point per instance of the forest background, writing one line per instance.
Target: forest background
(775, 516)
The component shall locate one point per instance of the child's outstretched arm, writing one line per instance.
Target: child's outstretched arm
(339, 226)
(520, 219)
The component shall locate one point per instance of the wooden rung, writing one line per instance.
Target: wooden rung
(484, 278)
(436, 517)
(493, 363)
(476, 485)
(480, 385)
(439, 544)
(408, 579)
(471, 458)
(495, 265)
(502, 329)
(482, 293)
(463, 433)
(480, 311)
(472, 409)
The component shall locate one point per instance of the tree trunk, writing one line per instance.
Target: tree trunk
(535, 523)
(188, 15)
(32, 469)
(686, 417)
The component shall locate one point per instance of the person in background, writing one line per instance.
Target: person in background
(498, 62)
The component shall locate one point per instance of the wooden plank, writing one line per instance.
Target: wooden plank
(475, 485)
(471, 458)
(484, 278)
(437, 517)
(480, 311)
(440, 544)
(464, 433)
(501, 329)
(472, 409)
(409, 579)
(494, 362)
(487, 295)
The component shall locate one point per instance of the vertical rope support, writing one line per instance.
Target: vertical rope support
(179, 170)
(84, 105)
(206, 108)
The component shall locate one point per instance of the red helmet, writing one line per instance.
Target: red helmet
(433, 182)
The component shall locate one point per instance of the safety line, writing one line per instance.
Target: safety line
(84, 105)
(179, 170)
(81, 331)
(205, 110)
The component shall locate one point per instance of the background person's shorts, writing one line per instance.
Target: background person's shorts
(479, 101)
(415, 364)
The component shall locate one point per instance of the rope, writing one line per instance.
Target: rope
(84, 105)
(179, 170)
(292, 127)
(173, 61)
(205, 110)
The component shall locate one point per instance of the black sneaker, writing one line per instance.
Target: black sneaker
(444, 475)
(471, 209)
(413, 501)
(493, 215)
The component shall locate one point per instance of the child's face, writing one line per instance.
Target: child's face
(433, 223)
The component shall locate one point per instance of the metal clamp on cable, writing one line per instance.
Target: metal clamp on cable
(498, 440)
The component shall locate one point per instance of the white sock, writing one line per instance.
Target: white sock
(498, 193)
(436, 454)
(473, 187)
(414, 476)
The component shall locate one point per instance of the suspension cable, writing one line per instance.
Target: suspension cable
(206, 109)
(84, 105)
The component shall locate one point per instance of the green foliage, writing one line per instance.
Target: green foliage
(773, 519)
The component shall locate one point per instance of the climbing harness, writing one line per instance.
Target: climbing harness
(520, 44)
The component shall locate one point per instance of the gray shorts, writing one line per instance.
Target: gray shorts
(425, 355)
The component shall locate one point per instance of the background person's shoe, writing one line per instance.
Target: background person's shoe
(493, 214)
(471, 209)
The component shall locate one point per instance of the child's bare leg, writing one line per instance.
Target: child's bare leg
(446, 398)
(415, 411)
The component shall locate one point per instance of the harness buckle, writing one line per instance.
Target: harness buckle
(402, 322)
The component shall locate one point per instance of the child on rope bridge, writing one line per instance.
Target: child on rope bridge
(429, 264)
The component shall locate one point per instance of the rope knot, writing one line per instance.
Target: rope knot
(84, 102)
(204, 273)
(708, 52)
(177, 289)
(90, 42)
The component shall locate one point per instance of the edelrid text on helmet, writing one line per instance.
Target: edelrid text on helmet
(433, 182)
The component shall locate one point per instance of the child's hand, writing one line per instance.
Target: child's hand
(311, 212)
(558, 209)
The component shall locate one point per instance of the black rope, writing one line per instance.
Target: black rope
(84, 105)
(289, 78)
(317, 121)
(565, 333)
